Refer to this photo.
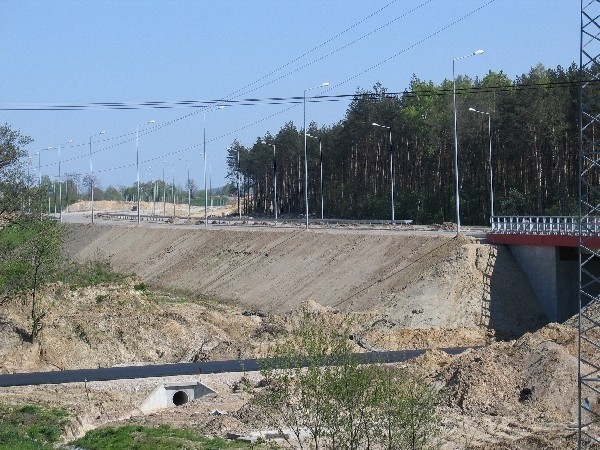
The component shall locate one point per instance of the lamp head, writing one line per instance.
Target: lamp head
(472, 109)
(152, 121)
(477, 52)
(325, 84)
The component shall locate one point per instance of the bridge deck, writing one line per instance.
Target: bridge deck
(556, 231)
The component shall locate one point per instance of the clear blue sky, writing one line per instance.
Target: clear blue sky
(134, 51)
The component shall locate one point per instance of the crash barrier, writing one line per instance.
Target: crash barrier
(248, 220)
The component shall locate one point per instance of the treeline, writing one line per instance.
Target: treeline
(534, 140)
(73, 188)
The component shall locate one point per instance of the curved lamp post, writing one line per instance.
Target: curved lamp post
(238, 182)
(60, 185)
(92, 174)
(164, 189)
(205, 191)
(39, 155)
(137, 164)
(305, 154)
(475, 53)
(391, 168)
(321, 169)
(189, 189)
(274, 179)
(490, 160)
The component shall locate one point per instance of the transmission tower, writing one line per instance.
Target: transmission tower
(589, 226)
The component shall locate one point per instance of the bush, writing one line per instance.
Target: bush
(89, 274)
(314, 382)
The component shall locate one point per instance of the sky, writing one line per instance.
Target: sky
(81, 53)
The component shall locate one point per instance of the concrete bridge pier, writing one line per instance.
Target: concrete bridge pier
(553, 273)
(547, 249)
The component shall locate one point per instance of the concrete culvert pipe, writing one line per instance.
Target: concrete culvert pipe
(180, 398)
(174, 394)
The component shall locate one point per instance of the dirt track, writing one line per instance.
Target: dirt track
(407, 280)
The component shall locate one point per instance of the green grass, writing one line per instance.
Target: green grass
(89, 274)
(32, 427)
(137, 437)
(140, 287)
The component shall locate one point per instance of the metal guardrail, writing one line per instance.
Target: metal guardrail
(134, 216)
(246, 220)
(558, 225)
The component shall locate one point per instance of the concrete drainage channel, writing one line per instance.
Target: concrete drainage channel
(174, 394)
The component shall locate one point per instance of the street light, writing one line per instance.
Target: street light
(475, 53)
(28, 185)
(490, 160)
(150, 172)
(164, 190)
(173, 189)
(189, 191)
(137, 164)
(205, 191)
(40, 178)
(60, 183)
(274, 180)
(305, 154)
(321, 169)
(391, 168)
(92, 174)
(210, 184)
(39, 153)
(238, 182)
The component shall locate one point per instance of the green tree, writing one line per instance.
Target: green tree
(315, 383)
(14, 183)
(112, 193)
(30, 252)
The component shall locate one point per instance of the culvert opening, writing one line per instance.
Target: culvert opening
(174, 394)
(180, 398)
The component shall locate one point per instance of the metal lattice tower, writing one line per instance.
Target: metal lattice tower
(589, 216)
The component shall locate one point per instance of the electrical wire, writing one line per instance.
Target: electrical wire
(239, 91)
(295, 100)
(206, 105)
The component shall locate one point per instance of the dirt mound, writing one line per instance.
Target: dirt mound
(506, 395)
(114, 325)
(157, 208)
(535, 375)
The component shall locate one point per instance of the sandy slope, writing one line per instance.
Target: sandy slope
(410, 280)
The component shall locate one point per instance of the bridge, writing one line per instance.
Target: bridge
(546, 249)
(556, 231)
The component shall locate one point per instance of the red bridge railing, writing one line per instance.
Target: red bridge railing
(548, 225)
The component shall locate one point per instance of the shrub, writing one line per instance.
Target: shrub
(314, 382)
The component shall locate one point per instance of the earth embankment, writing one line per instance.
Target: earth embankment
(402, 279)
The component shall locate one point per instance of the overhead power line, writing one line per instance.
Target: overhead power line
(269, 100)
